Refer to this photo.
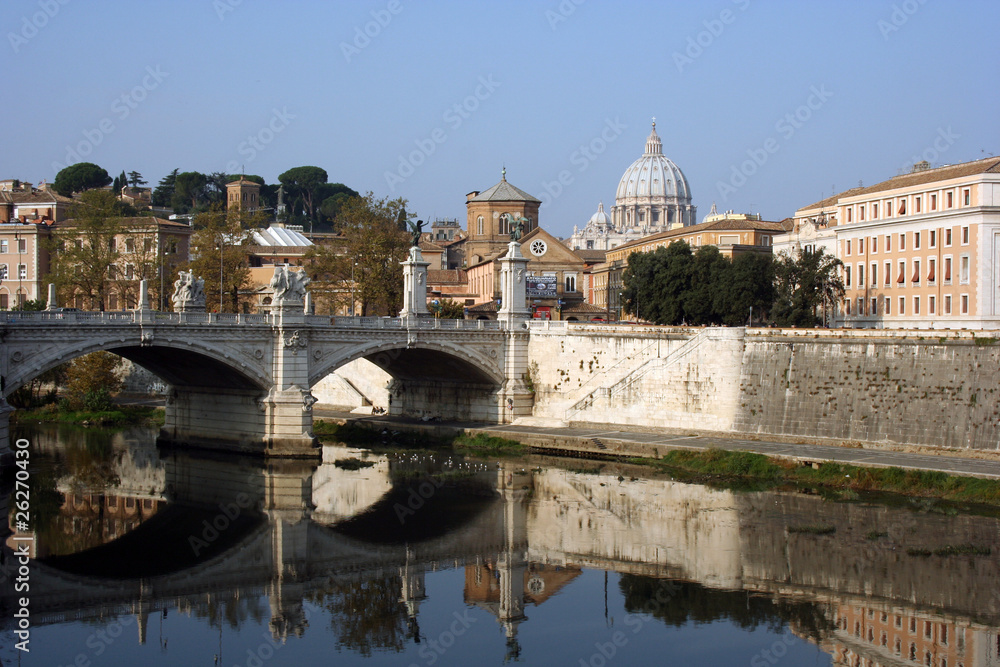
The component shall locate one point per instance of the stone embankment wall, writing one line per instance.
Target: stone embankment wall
(938, 389)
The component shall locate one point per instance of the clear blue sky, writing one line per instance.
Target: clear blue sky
(534, 81)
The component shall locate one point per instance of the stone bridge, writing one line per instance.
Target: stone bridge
(242, 382)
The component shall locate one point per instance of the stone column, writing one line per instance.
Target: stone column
(513, 288)
(414, 286)
(288, 405)
(52, 304)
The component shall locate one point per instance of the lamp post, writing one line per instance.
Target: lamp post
(222, 264)
(17, 251)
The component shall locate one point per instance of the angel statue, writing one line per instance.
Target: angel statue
(416, 228)
(517, 229)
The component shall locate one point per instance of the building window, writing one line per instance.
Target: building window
(963, 270)
(861, 246)
(861, 306)
(965, 304)
(947, 238)
(901, 280)
(949, 200)
(947, 304)
(479, 225)
(874, 305)
(847, 276)
(504, 224)
(129, 245)
(570, 283)
(902, 305)
(902, 206)
(22, 246)
(129, 272)
(887, 273)
(848, 247)
(22, 271)
(933, 238)
(931, 305)
(4, 303)
(886, 305)
(888, 242)
(916, 204)
(933, 202)
(965, 236)
(874, 245)
(916, 272)
(861, 216)
(861, 275)
(850, 212)
(944, 634)
(931, 266)
(902, 241)
(967, 197)
(873, 276)
(916, 240)
(875, 211)
(947, 270)
(3, 245)
(847, 306)
(3, 272)
(916, 305)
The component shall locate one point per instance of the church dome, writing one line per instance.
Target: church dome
(653, 175)
(600, 219)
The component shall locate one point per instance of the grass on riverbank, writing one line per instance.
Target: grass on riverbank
(488, 445)
(716, 463)
(122, 415)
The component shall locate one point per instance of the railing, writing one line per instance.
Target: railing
(237, 319)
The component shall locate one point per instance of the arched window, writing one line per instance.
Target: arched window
(479, 225)
(504, 224)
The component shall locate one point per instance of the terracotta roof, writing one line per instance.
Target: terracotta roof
(583, 307)
(140, 221)
(990, 165)
(430, 245)
(243, 181)
(446, 276)
(717, 225)
(487, 307)
(504, 191)
(591, 256)
(44, 196)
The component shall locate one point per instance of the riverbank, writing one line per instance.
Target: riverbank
(703, 458)
(120, 415)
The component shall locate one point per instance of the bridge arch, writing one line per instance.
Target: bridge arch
(180, 363)
(435, 360)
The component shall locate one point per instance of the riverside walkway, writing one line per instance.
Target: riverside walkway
(610, 441)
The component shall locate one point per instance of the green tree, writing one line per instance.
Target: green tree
(709, 272)
(377, 246)
(79, 177)
(748, 284)
(804, 284)
(189, 188)
(163, 194)
(304, 182)
(220, 243)
(447, 309)
(656, 283)
(122, 182)
(91, 380)
(333, 196)
(135, 179)
(83, 252)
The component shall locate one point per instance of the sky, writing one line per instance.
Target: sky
(766, 106)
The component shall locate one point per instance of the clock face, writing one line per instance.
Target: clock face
(496, 214)
(538, 247)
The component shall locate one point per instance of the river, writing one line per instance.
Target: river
(147, 556)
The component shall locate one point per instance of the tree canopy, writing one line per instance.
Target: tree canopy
(674, 285)
(806, 283)
(79, 177)
(304, 182)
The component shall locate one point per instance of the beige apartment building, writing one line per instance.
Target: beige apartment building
(921, 250)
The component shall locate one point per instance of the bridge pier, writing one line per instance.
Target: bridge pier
(6, 453)
(227, 419)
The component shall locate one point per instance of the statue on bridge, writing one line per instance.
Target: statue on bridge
(416, 229)
(289, 286)
(189, 292)
(517, 229)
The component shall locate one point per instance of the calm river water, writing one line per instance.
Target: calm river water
(142, 556)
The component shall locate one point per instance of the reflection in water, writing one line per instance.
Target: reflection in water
(355, 553)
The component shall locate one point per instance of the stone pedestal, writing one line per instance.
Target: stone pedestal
(52, 303)
(513, 288)
(414, 286)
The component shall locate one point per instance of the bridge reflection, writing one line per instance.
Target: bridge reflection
(357, 534)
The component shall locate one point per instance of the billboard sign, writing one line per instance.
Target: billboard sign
(542, 286)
